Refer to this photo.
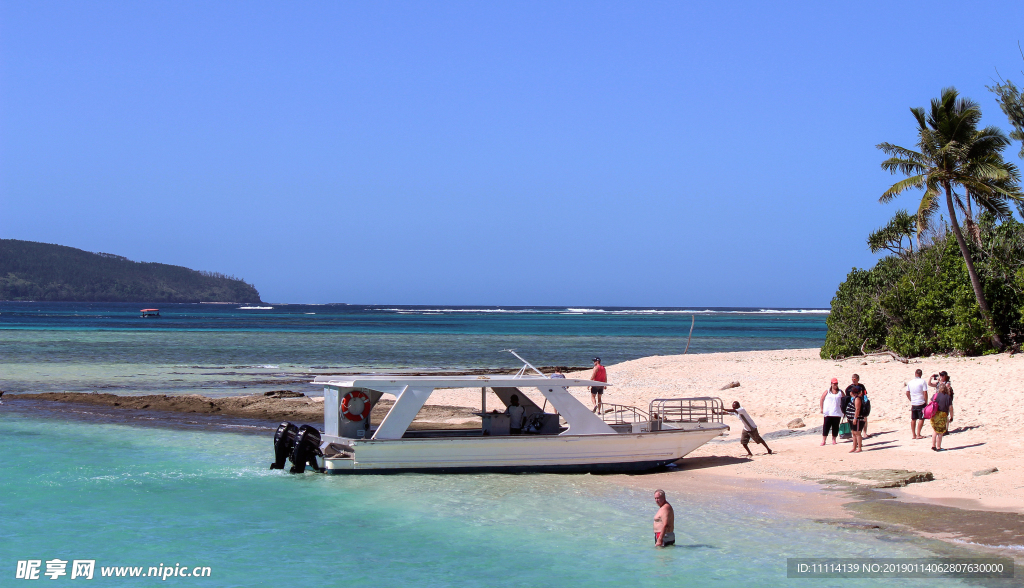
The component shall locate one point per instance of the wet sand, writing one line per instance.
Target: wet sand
(253, 407)
(699, 479)
(821, 488)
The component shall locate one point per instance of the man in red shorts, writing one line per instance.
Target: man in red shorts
(664, 521)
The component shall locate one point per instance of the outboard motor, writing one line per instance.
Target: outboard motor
(284, 443)
(307, 448)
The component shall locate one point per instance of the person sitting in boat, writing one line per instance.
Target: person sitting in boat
(516, 415)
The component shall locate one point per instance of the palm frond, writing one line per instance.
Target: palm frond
(919, 115)
(901, 187)
(905, 166)
(901, 152)
(999, 208)
(926, 210)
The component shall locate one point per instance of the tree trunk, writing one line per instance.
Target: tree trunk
(997, 342)
(972, 227)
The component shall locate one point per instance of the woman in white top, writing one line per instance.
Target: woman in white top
(831, 407)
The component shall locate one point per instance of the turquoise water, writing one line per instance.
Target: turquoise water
(221, 349)
(146, 496)
(164, 490)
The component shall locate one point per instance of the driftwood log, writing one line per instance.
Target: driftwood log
(891, 354)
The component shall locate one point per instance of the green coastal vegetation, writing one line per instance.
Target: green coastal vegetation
(41, 271)
(952, 280)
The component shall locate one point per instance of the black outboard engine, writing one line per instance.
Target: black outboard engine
(307, 448)
(284, 443)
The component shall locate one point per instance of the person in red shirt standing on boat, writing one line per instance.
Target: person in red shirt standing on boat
(598, 375)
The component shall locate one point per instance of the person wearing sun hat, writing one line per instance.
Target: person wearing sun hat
(942, 379)
(831, 408)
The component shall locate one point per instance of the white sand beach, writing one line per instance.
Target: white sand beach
(779, 386)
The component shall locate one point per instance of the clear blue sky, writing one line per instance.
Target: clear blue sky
(630, 153)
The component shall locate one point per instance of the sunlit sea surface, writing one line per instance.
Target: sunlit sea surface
(164, 490)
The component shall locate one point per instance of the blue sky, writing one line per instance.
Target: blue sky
(518, 153)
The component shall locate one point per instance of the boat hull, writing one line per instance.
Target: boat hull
(557, 453)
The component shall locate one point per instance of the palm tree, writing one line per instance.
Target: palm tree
(891, 236)
(953, 153)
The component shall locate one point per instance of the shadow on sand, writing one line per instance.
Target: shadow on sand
(963, 447)
(711, 461)
(962, 429)
(879, 445)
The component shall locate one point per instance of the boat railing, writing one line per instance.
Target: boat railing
(704, 409)
(622, 414)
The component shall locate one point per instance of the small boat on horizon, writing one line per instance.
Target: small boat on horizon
(622, 438)
(255, 308)
(149, 313)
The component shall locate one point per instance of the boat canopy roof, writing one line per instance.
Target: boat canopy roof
(374, 381)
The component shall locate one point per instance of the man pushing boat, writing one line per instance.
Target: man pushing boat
(749, 428)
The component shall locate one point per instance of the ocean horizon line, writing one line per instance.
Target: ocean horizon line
(568, 308)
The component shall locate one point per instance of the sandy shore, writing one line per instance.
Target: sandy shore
(779, 386)
(962, 503)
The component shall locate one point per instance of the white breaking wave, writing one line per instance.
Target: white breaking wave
(798, 311)
(577, 311)
(444, 310)
(1009, 547)
(694, 311)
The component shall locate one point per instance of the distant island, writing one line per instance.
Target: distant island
(41, 271)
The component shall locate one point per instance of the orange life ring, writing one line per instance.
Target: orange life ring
(355, 406)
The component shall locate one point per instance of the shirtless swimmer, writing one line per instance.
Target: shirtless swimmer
(664, 521)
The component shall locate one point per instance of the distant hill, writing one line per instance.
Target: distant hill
(40, 271)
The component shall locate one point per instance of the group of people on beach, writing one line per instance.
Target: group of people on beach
(939, 411)
(854, 406)
(851, 404)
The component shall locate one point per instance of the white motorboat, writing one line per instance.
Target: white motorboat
(622, 438)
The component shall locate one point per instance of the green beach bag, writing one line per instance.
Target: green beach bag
(844, 428)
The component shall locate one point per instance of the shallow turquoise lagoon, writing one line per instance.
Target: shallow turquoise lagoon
(146, 496)
(221, 349)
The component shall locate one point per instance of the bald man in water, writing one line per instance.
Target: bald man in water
(664, 521)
